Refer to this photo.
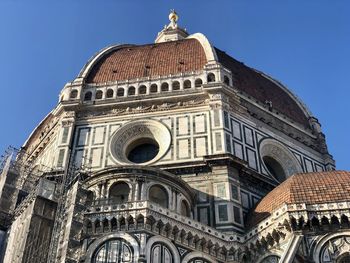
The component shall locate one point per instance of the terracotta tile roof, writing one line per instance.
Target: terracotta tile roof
(188, 55)
(309, 188)
(149, 60)
(261, 88)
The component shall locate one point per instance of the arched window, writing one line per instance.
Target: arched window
(88, 96)
(109, 93)
(114, 251)
(198, 83)
(184, 209)
(142, 89)
(98, 95)
(211, 77)
(120, 92)
(227, 80)
(131, 91)
(157, 194)
(274, 168)
(187, 84)
(164, 87)
(153, 88)
(119, 192)
(73, 94)
(160, 253)
(176, 85)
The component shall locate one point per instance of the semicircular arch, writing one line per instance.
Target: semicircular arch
(202, 255)
(165, 241)
(122, 235)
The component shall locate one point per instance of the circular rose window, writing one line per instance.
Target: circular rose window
(140, 142)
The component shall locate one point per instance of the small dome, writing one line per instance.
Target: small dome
(308, 188)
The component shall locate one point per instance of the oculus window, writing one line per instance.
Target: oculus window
(142, 151)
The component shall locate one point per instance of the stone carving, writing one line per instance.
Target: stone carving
(335, 249)
(182, 251)
(141, 108)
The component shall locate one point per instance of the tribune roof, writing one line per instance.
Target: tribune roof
(308, 188)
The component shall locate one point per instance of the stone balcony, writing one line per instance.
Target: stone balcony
(105, 216)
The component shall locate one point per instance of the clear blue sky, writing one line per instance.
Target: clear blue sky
(304, 44)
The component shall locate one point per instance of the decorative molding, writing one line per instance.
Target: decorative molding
(141, 108)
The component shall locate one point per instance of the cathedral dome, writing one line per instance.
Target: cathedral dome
(304, 188)
(263, 88)
(161, 59)
(190, 54)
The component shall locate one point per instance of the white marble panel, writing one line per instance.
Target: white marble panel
(183, 126)
(251, 158)
(99, 135)
(238, 150)
(201, 146)
(96, 157)
(83, 137)
(199, 122)
(183, 149)
(308, 165)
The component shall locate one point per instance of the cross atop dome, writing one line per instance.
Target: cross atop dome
(171, 32)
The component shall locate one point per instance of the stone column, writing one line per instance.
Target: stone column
(143, 255)
(175, 201)
(137, 189)
(143, 191)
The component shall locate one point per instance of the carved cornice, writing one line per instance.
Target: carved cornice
(127, 110)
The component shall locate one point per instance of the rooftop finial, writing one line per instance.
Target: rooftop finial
(171, 32)
(173, 17)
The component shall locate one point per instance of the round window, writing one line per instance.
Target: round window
(278, 161)
(142, 150)
(274, 168)
(140, 142)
